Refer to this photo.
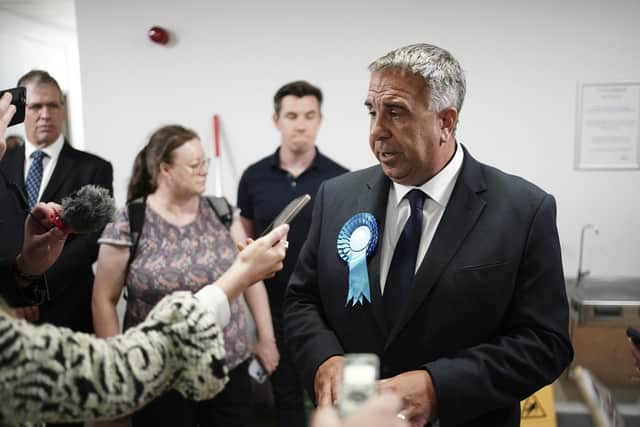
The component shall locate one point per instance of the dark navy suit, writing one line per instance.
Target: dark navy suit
(487, 314)
(70, 279)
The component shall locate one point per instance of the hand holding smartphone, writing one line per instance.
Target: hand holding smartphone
(19, 99)
(288, 213)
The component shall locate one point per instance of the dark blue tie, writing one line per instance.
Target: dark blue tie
(34, 178)
(403, 264)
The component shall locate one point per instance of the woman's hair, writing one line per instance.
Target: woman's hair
(144, 177)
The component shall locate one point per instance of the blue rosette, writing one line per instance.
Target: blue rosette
(357, 239)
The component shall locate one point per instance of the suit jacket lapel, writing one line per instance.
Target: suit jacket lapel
(373, 199)
(460, 216)
(58, 177)
(14, 167)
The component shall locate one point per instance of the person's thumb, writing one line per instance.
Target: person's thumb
(277, 234)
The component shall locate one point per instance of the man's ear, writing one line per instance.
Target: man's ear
(448, 120)
(276, 120)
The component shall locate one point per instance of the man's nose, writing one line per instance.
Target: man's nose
(301, 124)
(45, 112)
(378, 129)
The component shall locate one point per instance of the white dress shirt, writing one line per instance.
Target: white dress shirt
(48, 162)
(438, 190)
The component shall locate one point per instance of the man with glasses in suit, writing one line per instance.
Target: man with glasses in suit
(46, 168)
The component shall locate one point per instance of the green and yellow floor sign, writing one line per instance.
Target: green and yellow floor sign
(539, 409)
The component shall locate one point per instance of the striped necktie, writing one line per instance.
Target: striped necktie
(34, 177)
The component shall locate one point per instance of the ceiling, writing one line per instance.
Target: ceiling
(57, 13)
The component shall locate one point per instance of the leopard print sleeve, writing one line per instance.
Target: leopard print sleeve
(50, 374)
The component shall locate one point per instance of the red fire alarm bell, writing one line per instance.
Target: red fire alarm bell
(158, 35)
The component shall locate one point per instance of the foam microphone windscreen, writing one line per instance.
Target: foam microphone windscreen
(88, 209)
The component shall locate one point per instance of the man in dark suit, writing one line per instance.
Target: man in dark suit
(10, 213)
(448, 269)
(47, 169)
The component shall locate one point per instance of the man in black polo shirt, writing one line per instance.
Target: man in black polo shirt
(266, 187)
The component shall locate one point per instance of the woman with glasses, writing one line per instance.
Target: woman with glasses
(182, 245)
(52, 374)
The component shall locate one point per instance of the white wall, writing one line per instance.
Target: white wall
(27, 44)
(523, 61)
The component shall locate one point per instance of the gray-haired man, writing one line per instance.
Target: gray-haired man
(448, 269)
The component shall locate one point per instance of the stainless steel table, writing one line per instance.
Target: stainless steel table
(598, 301)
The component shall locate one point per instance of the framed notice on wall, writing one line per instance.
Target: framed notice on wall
(608, 126)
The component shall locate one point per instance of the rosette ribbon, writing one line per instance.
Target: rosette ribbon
(357, 239)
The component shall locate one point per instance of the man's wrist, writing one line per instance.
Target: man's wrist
(20, 272)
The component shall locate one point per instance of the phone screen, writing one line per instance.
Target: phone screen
(289, 212)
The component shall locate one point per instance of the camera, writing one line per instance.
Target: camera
(19, 99)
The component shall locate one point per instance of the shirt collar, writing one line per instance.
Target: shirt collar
(316, 163)
(275, 158)
(440, 186)
(51, 150)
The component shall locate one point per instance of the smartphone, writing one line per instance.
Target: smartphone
(256, 371)
(634, 334)
(19, 99)
(288, 213)
(360, 372)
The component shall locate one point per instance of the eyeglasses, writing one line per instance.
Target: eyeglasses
(37, 106)
(200, 166)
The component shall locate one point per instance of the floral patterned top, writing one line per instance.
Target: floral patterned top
(172, 258)
(52, 374)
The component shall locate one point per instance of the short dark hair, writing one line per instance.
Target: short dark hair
(298, 88)
(39, 77)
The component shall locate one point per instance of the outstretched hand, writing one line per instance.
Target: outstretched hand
(43, 242)
(263, 257)
(258, 260)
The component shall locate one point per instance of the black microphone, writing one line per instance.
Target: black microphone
(88, 209)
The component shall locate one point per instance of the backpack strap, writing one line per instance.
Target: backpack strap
(222, 208)
(135, 209)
